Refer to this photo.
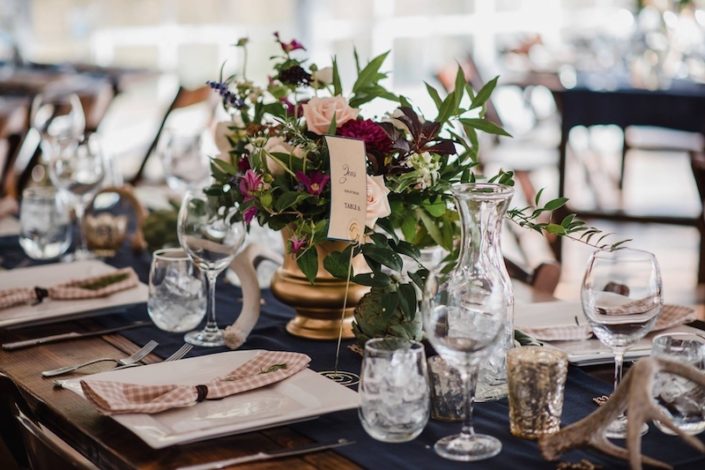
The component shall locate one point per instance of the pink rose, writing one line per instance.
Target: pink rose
(377, 203)
(319, 113)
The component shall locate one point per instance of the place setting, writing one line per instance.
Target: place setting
(324, 254)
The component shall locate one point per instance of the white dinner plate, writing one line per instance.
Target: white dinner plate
(59, 310)
(588, 351)
(305, 395)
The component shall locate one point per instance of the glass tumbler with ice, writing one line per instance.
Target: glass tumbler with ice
(177, 291)
(682, 400)
(394, 389)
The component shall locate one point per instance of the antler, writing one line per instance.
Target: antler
(635, 395)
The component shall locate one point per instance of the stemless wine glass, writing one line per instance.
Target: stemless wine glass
(394, 391)
(464, 314)
(58, 118)
(680, 399)
(78, 170)
(185, 164)
(177, 293)
(45, 228)
(211, 237)
(621, 298)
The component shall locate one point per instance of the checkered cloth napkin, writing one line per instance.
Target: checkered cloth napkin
(671, 315)
(86, 288)
(264, 369)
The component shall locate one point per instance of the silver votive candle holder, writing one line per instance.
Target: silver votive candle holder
(536, 380)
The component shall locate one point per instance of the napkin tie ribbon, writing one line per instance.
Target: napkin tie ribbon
(201, 393)
(40, 293)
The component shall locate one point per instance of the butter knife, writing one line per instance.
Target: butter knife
(272, 454)
(72, 335)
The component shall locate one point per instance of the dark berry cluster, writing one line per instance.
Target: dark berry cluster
(295, 75)
(228, 96)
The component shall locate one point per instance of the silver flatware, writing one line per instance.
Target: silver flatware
(272, 454)
(72, 335)
(178, 354)
(134, 358)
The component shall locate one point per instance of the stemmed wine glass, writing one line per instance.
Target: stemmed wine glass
(78, 169)
(621, 298)
(185, 164)
(464, 314)
(59, 120)
(211, 237)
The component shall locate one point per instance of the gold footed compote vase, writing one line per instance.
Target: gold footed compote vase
(318, 306)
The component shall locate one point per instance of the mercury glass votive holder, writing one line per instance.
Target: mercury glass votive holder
(447, 395)
(536, 380)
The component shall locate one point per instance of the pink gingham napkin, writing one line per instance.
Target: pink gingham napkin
(71, 290)
(671, 315)
(264, 369)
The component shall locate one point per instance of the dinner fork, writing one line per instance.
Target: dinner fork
(180, 353)
(134, 358)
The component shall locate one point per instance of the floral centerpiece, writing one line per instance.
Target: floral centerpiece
(277, 171)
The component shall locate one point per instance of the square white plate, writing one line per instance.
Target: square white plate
(588, 351)
(305, 395)
(60, 310)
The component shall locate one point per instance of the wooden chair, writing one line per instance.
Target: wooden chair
(529, 258)
(31, 444)
(183, 99)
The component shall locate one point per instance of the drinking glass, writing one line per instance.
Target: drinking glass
(681, 399)
(177, 291)
(464, 314)
(45, 228)
(211, 237)
(621, 298)
(79, 170)
(185, 164)
(394, 391)
(58, 118)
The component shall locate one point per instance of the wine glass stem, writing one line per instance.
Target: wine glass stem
(80, 210)
(618, 363)
(211, 325)
(469, 377)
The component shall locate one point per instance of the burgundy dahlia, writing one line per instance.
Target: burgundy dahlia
(295, 75)
(376, 140)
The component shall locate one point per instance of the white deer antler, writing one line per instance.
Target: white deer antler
(635, 395)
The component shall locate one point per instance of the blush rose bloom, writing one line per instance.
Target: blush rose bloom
(319, 113)
(377, 202)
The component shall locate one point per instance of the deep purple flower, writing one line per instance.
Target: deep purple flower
(294, 75)
(290, 46)
(297, 244)
(377, 142)
(315, 182)
(249, 214)
(250, 184)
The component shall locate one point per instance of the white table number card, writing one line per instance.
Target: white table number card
(348, 177)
